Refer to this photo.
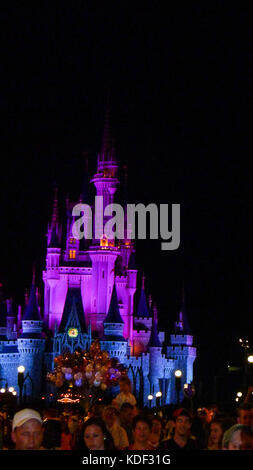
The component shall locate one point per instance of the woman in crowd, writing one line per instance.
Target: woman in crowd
(217, 429)
(157, 432)
(96, 436)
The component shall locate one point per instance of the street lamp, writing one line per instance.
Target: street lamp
(150, 398)
(178, 374)
(21, 379)
(245, 345)
(158, 399)
(250, 359)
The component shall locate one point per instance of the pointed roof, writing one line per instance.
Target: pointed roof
(107, 152)
(31, 311)
(73, 309)
(53, 241)
(113, 315)
(3, 313)
(183, 325)
(143, 310)
(85, 189)
(154, 341)
(132, 262)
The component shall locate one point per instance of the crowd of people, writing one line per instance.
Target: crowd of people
(121, 425)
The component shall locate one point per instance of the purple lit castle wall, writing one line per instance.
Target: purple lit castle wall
(89, 289)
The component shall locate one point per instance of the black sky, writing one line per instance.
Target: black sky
(181, 84)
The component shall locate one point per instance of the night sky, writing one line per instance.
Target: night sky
(181, 92)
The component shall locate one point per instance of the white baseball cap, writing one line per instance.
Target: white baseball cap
(21, 417)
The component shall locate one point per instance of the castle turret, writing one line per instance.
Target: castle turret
(182, 350)
(143, 310)
(113, 340)
(105, 180)
(155, 353)
(52, 261)
(31, 345)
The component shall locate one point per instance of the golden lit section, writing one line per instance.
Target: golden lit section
(72, 254)
(109, 172)
(104, 241)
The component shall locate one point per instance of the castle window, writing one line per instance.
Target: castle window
(72, 254)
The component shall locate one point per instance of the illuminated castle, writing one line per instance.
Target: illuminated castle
(89, 292)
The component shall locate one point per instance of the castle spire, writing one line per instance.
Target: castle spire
(143, 310)
(107, 155)
(55, 215)
(182, 325)
(113, 315)
(54, 231)
(31, 311)
(154, 341)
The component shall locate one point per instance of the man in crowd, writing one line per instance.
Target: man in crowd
(118, 433)
(27, 431)
(141, 433)
(245, 414)
(126, 416)
(181, 439)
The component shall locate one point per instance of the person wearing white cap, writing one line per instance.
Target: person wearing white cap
(27, 431)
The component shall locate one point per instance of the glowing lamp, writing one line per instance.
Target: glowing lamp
(11, 389)
(250, 359)
(158, 394)
(178, 373)
(21, 369)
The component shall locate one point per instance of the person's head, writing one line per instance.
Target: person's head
(125, 384)
(141, 429)
(96, 435)
(95, 411)
(238, 437)
(110, 415)
(73, 423)
(157, 425)
(203, 415)
(126, 414)
(27, 431)
(217, 428)
(245, 414)
(183, 422)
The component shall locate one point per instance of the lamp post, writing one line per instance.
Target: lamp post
(250, 358)
(21, 379)
(158, 399)
(150, 398)
(245, 345)
(178, 376)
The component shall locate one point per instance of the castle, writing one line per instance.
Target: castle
(89, 291)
